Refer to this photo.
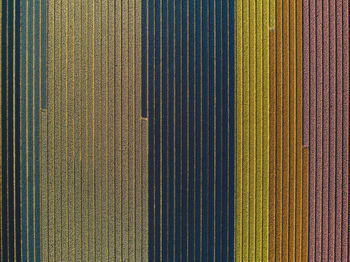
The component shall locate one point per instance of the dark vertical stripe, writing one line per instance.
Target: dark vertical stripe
(171, 126)
(301, 174)
(17, 130)
(4, 130)
(144, 51)
(272, 145)
(325, 130)
(24, 64)
(218, 133)
(292, 135)
(43, 14)
(211, 119)
(285, 49)
(332, 126)
(198, 131)
(30, 127)
(224, 122)
(279, 130)
(339, 130)
(345, 121)
(312, 159)
(157, 127)
(164, 102)
(306, 71)
(305, 204)
(319, 128)
(184, 124)
(10, 133)
(192, 132)
(205, 129)
(178, 162)
(36, 134)
(151, 130)
(231, 127)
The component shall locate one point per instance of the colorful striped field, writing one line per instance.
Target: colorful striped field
(174, 130)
